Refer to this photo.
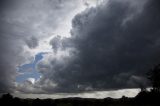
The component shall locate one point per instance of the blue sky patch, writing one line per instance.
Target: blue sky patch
(29, 70)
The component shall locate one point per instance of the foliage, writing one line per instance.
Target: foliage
(154, 77)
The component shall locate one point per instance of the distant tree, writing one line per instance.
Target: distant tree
(142, 87)
(7, 96)
(154, 77)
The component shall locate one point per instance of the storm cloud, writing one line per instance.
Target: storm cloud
(112, 46)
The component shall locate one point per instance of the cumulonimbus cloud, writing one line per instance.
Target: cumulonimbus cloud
(112, 46)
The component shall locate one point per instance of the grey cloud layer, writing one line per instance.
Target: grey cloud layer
(114, 45)
(24, 23)
(111, 46)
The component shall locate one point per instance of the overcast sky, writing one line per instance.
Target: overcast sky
(79, 48)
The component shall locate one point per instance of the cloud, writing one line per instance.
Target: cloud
(95, 94)
(24, 25)
(111, 46)
(32, 80)
(56, 43)
(32, 42)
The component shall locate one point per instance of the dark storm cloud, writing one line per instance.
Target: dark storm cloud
(114, 44)
(23, 23)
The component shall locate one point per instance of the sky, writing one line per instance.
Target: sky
(77, 48)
